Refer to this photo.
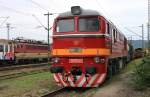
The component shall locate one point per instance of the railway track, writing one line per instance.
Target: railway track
(20, 74)
(63, 92)
(22, 66)
(55, 92)
(10, 72)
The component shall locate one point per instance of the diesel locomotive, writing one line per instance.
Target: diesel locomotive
(87, 48)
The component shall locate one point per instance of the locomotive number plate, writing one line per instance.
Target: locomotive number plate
(75, 60)
(75, 50)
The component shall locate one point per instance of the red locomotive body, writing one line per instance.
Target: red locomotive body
(22, 51)
(86, 48)
(30, 50)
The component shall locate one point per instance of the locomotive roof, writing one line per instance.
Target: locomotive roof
(5, 41)
(84, 13)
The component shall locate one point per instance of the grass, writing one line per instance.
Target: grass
(141, 75)
(30, 83)
(132, 65)
(42, 83)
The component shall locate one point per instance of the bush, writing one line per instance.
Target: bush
(141, 75)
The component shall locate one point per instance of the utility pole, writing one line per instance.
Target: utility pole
(8, 29)
(148, 24)
(143, 36)
(48, 29)
(142, 26)
(131, 40)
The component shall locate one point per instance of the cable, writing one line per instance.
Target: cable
(120, 25)
(37, 19)
(132, 31)
(37, 4)
(3, 17)
(4, 21)
(100, 7)
(22, 13)
(16, 11)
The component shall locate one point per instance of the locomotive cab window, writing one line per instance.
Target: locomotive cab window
(89, 24)
(65, 25)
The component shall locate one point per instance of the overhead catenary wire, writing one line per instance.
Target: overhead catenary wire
(6, 18)
(26, 14)
(14, 10)
(22, 13)
(38, 5)
(3, 17)
(37, 19)
(132, 31)
(119, 24)
(100, 7)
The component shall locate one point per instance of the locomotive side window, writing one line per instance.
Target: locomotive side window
(114, 35)
(88, 24)
(108, 28)
(65, 25)
(1, 48)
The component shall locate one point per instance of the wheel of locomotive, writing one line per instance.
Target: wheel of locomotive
(117, 66)
(17, 61)
(121, 64)
(125, 62)
(109, 70)
(113, 65)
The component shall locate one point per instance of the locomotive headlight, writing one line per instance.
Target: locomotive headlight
(102, 60)
(97, 60)
(55, 60)
(76, 10)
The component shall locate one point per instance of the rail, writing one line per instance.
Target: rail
(55, 92)
(20, 74)
(22, 66)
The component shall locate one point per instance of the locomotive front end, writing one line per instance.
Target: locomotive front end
(80, 49)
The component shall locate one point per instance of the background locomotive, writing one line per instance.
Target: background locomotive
(139, 53)
(86, 48)
(23, 51)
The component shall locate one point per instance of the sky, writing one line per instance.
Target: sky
(27, 16)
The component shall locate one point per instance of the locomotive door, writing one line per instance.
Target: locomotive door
(1, 52)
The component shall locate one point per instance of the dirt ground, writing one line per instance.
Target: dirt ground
(119, 87)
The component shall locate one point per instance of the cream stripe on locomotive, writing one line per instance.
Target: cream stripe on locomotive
(56, 78)
(100, 80)
(93, 81)
(82, 35)
(61, 80)
(71, 82)
(82, 82)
